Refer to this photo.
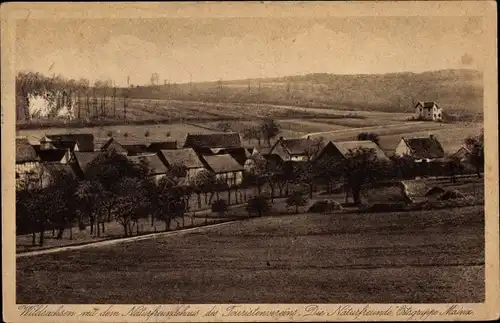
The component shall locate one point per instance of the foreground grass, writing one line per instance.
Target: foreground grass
(426, 256)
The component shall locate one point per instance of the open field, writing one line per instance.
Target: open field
(427, 256)
(196, 117)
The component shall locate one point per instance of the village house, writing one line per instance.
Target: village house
(157, 146)
(186, 157)
(225, 168)
(461, 154)
(155, 167)
(52, 171)
(428, 111)
(27, 161)
(421, 149)
(214, 143)
(340, 150)
(113, 145)
(80, 161)
(135, 148)
(61, 156)
(296, 150)
(73, 142)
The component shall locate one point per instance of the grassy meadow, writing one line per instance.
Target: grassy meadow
(426, 256)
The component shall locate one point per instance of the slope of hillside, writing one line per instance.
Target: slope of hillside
(458, 91)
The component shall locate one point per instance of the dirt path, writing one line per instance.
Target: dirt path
(361, 128)
(121, 240)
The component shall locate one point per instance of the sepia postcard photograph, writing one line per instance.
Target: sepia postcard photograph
(252, 161)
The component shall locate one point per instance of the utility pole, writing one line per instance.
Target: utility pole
(95, 103)
(114, 97)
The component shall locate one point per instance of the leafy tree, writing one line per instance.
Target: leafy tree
(203, 182)
(107, 169)
(269, 129)
(475, 145)
(327, 170)
(362, 166)
(131, 205)
(257, 172)
(297, 199)
(403, 166)
(90, 197)
(259, 205)
(32, 211)
(166, 200)
(305, 173)
(370, 136)
(63, 186)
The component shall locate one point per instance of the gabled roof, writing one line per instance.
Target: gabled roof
(51, 155)
(264, 150)
(462, 151)
(113, 144)
(222, 163)
(213, 140)
(85, 141)
(298, 146)
(84, 158)
(427, 104)
(24, 151)
(162, 145)
(185, 156)
(56, 168)
(154, 164)
(240, 155)
(134, 149)
(345, 146)
(424, 148)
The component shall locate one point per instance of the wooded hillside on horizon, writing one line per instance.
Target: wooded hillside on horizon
(455, 90)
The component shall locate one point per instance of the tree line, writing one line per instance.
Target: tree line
(96, 99)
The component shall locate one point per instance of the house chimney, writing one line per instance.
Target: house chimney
(308, 137)
(281, 137)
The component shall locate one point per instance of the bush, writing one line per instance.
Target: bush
(324, 206)
(450, 195)
(259, 205)
(219, 206)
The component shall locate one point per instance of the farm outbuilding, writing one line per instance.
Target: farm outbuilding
(225, 167)
(213, 143)
(340, 150)
(74, 142)
(421, 149)
(155, 166)
(298, 149)
(186, 157)
(27, 160)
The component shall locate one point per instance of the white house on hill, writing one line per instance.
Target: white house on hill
(428, 111)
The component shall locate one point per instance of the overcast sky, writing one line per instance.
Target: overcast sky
(236, 48)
